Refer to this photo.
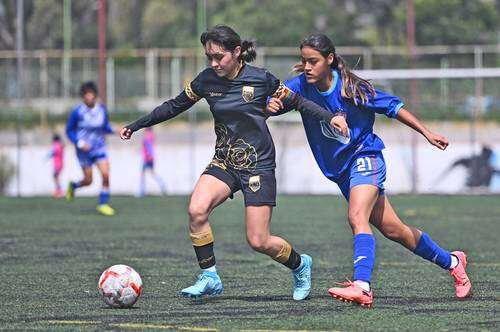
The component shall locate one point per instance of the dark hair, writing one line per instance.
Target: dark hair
(88, 87)
(353, 86)
(228, 38)
(56, 137)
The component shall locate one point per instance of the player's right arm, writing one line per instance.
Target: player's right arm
(287, 97)
(165, 111)
(71, 126)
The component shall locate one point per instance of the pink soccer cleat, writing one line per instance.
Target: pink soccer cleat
(352, 293)
(462, 282)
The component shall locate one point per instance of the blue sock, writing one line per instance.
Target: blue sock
(364, 256)
(75, 185)
(428, 249)
(104, 197)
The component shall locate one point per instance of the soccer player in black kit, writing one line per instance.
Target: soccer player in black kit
(244, 154)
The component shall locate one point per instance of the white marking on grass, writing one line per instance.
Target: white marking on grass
(72, 322)
(131, 325)
(161, 327)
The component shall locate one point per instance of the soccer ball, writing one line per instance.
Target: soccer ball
(120, 286)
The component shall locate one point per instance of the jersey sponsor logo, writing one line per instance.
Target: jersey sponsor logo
(215, 94)
(328, 131)
(254, 183)
(247, 93)
(359, 258)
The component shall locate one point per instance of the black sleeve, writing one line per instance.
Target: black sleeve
(173, 107)
(293, 100)
(165, 111)
(273, 84)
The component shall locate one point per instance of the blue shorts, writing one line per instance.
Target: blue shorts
(365, 168)
(148, 164)
(87, 159)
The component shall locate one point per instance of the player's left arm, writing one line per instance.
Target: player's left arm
(406, 117)
(392, 106)
(107, 125)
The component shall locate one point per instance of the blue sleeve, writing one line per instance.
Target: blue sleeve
(384, 103)
(71, 126)
(107, 124)
(294, 84)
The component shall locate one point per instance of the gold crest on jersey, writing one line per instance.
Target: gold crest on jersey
(247, 93)
(254, 183)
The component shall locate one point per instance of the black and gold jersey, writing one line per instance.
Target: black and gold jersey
(238, 107)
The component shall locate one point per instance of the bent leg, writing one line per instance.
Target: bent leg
(257, 221)
(208, 193)
(390, 225)
(385, 219)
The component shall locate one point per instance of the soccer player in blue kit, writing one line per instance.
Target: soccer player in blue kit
(87, 126)
(244, 156)
(355, 162)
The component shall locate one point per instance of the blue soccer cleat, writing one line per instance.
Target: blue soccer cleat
(302, 279)
(208, 283)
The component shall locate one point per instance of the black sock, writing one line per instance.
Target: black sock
(293, 261)
(205, 255)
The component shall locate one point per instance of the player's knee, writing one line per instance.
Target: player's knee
(258, 243)
(86, 181)
(356, 218)
(198, 214)
(392, 232)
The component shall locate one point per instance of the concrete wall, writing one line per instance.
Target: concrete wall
(180, 162)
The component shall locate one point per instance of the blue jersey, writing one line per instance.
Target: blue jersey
(89, 126)
(333, 152)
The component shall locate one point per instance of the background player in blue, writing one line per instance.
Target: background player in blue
(87, 127)
(355, 162)
(244, 156)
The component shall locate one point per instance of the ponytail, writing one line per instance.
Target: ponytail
(248, 52)
(353, 86)
(229, 40)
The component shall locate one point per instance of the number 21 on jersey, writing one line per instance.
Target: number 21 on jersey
(364, 164)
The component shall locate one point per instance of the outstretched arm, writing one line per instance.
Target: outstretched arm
(404, 116)
(164, 112)
(287, 100)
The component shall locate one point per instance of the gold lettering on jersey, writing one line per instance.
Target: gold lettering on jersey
(254, 183)
(247, 93)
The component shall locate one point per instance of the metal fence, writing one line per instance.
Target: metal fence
(137, 79)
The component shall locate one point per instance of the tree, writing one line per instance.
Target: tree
(168, 23)
(456, 21)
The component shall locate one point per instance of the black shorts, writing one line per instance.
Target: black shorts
(258, 186)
